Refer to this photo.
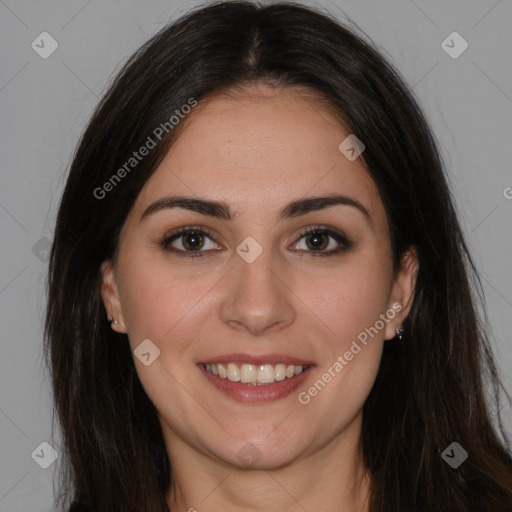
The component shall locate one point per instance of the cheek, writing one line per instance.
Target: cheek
(162, 304)
(350, 306)
(351, 299)
(148, 295)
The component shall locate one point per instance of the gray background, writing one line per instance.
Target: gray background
(44, 104)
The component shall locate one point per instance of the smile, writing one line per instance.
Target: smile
(256, 382)
(256, 375)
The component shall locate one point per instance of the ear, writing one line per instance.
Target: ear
(402, 292)
(110, 296)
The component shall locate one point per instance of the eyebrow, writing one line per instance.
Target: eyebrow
(221, 210)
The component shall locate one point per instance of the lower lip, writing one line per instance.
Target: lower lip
(257, 394)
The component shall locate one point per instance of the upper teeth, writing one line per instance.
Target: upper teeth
(254, 374)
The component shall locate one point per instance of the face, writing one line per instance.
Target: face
(272, 290)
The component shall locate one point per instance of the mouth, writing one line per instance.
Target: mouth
(258, 381)
(255, 375)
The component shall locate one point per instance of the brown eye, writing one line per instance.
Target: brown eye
(188, 242)
(318, 239)
(193, 242)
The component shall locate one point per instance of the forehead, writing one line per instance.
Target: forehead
(260, 148)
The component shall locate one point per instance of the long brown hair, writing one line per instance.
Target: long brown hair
(430, 389)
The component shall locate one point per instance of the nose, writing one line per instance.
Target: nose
(258, 298)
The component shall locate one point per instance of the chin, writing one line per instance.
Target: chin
(260, 452)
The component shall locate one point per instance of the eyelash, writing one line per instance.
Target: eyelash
(346, 244)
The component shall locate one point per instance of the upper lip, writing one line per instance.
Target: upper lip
(260, 359)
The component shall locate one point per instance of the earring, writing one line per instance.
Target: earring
(400, 333)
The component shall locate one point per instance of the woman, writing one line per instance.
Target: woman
(260, 297)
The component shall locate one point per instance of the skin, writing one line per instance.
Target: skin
(257, 152)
